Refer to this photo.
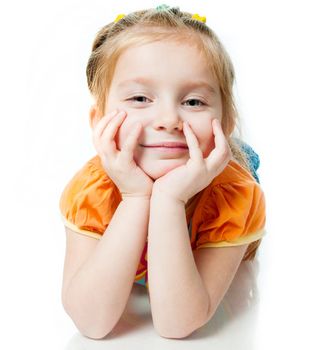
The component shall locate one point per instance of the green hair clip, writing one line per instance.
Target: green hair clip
(162, 7)
(195, 16)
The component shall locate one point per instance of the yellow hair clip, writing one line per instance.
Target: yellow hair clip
(118, 17)
(199, 18)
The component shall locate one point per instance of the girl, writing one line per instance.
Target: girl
(170, 194)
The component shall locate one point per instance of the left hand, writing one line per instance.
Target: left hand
(185, 181)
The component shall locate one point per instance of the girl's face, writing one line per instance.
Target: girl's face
(161, 85)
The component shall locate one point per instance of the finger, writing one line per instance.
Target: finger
(220, 141)
(107, 138)
(221, 152)
(192, 142)
(128, 149)
(219, 137)
(102, 124)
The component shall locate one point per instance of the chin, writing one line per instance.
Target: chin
(161, 168)
(156, 174)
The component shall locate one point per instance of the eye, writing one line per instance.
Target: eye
(193, 104)
(136, 98)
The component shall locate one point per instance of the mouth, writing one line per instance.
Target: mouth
(167, 149)
(176, 145)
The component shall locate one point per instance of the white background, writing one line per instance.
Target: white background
(45, 138)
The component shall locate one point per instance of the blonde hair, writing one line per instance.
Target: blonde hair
(150, 25)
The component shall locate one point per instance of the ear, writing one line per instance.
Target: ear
(94, 115)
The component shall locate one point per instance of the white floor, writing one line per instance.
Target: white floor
(45, 137)
(237, 315)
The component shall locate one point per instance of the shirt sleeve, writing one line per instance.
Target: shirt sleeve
(233, 214)
(89, 201)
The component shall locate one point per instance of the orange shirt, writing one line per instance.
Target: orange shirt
(228, 212)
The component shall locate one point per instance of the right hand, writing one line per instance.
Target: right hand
(130, 179)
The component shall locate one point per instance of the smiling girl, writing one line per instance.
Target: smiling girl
(170, 194)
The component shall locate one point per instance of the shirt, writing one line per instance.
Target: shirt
(230, 211)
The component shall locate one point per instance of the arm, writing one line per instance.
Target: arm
(96, 295)
(185, 289)
(178, 298)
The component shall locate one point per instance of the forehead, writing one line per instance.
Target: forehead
(164, 61)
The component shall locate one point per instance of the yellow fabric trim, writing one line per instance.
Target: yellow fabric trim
(78, 230)
(93, 235)
(242, 240)
(140, 276)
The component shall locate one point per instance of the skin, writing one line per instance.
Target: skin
(196, 284)
(163, 105)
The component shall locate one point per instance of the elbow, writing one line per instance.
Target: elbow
(93, 330)
(94, 333)
(174, 336)
(180, 332)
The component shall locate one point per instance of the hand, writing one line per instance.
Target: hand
(130, 179)
(185, 181)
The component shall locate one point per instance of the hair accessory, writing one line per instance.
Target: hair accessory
(118, 17)
(162, 7)
(165, 7)
(199, 18)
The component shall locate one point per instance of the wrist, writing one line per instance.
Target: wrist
(128, 197)
(159, 195)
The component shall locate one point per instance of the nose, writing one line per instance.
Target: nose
(168, 119)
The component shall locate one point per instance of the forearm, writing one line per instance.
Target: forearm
(179, 300)
(98, 292)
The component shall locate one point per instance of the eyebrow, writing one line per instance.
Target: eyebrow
(189, 84)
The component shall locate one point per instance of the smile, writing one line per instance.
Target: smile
(167, 149)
